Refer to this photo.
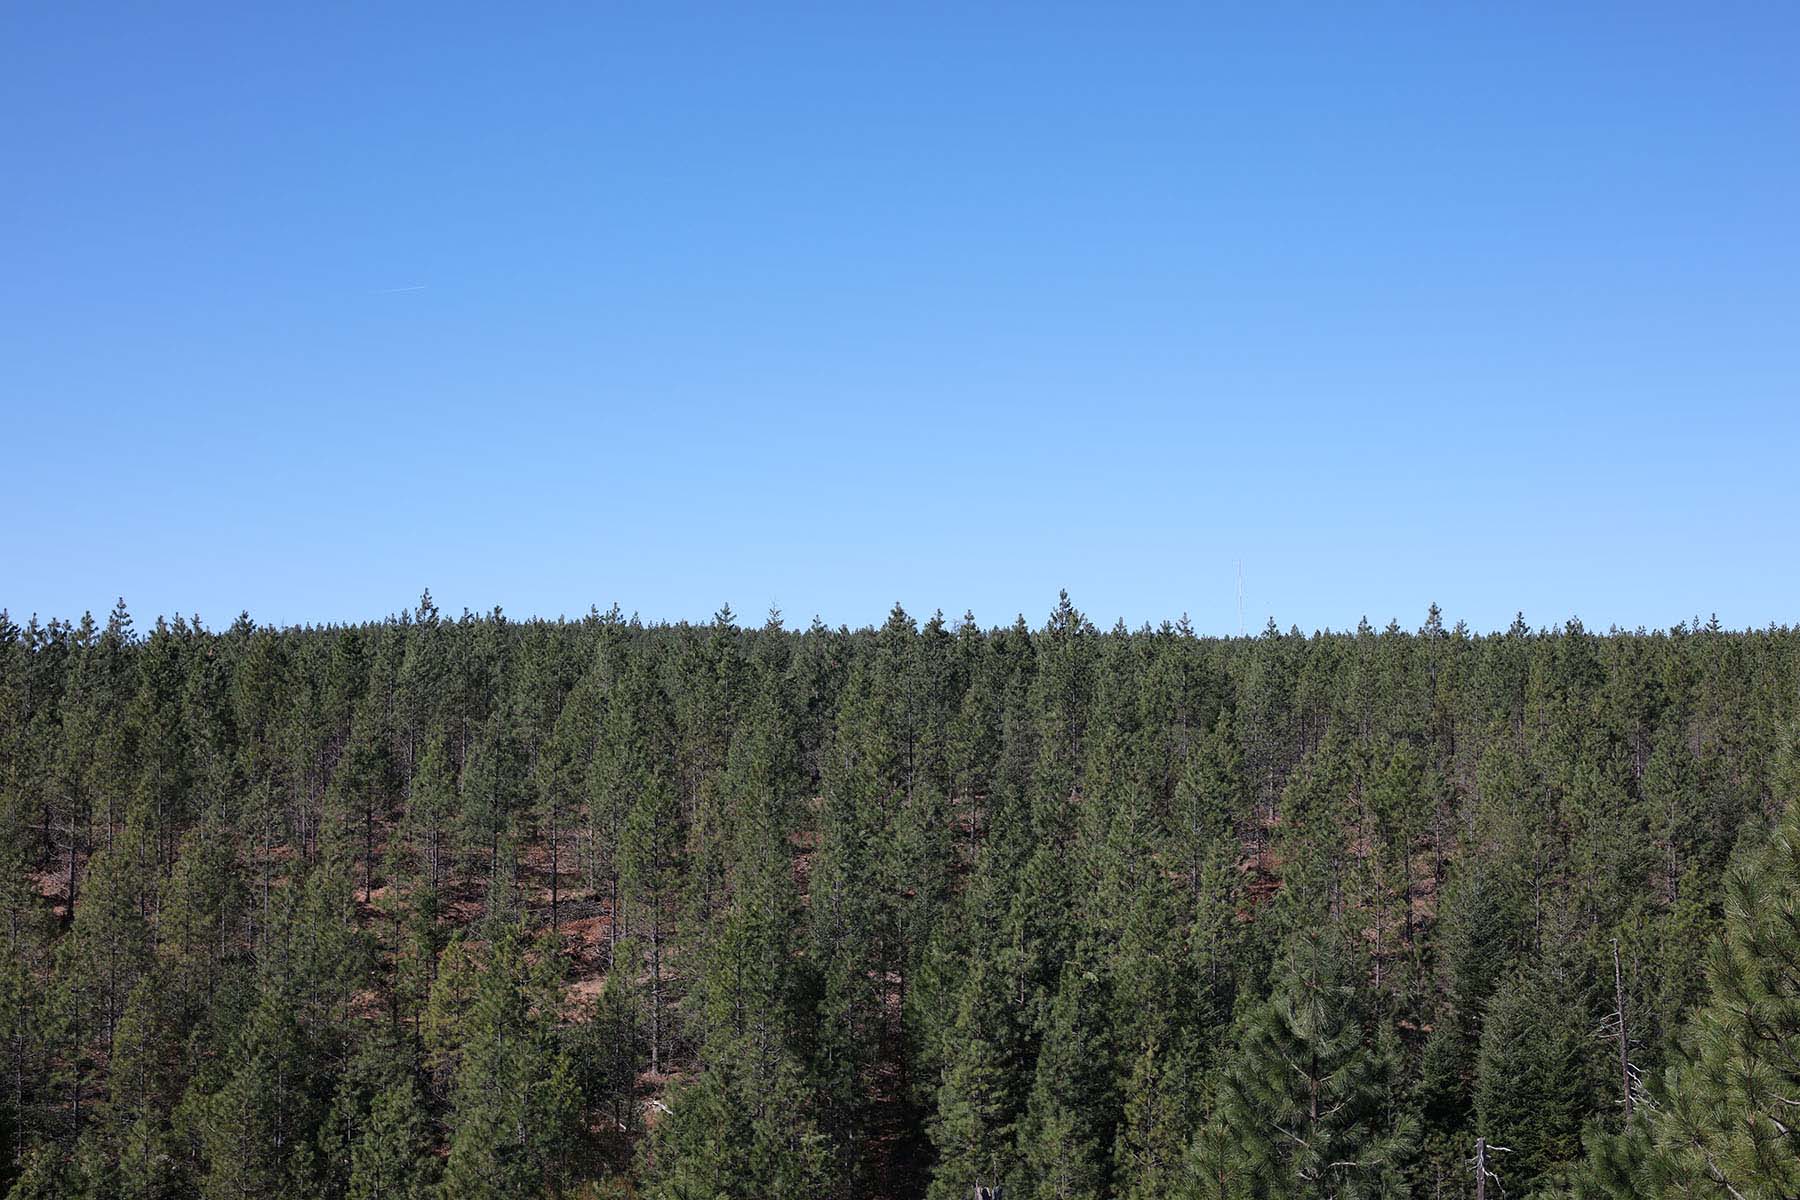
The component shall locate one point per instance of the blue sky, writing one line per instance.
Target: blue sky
(302, 311)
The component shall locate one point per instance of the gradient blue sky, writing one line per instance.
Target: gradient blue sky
(544, 306)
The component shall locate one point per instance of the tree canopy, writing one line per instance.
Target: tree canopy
(468, 906)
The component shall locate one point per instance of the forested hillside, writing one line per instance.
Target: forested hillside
(474, 907)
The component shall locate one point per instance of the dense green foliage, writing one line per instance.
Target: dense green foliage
(483, 908)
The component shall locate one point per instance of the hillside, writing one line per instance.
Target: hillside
(480, 907)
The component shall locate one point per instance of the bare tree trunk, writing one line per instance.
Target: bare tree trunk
(368, 844)
(1624, 1039)
(1380, 906)
(553, 868)
(71, 913)
(1406, 893)
(655, 991)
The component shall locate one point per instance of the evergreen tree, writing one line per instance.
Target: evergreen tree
(258, 1131)
(1209, 799)
(740, 1132)
(631, 757)
(1534, 1087)
(1149, 1158)
(392, 1157)
(1480, 929)
(432, 811)
(1309, 1095)
(1217, 1166)
(514, 1111)
(980, 1102)
(1727, 1128)
(1072, 1113)
(612, 1048)
(652, 853)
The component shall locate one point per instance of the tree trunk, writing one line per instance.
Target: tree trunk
(71, 889)
(368, 845)
(1624, 1039)
(655, 993)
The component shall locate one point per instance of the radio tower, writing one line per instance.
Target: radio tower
(1240, 566)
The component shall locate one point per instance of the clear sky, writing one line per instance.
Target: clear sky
(306, 307)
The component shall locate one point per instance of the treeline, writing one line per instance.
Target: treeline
(483, 908)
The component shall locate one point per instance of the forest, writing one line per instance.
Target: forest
(467, 906)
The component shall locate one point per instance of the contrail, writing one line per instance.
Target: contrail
(417, 287)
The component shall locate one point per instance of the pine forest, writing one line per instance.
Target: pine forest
(474, 907)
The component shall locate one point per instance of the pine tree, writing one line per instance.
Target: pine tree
(392, 1157)
(652, 852)
(1218, 948)
(257, 1116)
(612, 1047)
(258, 1131)
(431, 811)
(1728, 1128)
(1072, 1113)
(855, 906)
(1217, 1167)
(1210, 799)
(516, 1104)
(493, 795)
(19, 1043)
(1149, 1158)
(1309, 1095)
(980, 1100)
(146, 1077)
(753, 1124)
(742, 1131)
(98, 965)
(560, 776)
(1480, 927)
(1534, 1086)
(632, 755)
(862, 877)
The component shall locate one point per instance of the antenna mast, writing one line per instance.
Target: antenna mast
(1240, 597)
